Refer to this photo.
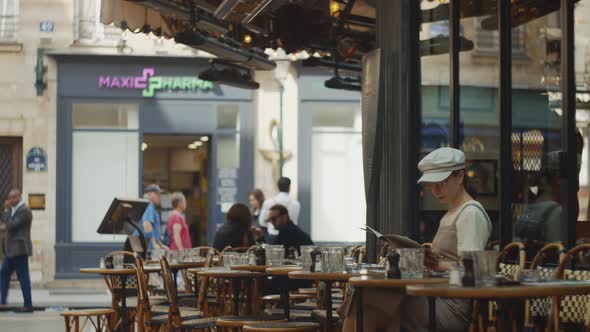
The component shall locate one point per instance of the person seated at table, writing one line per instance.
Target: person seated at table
(180, 237)
(465, 227)
(235, 232)
(290, 235)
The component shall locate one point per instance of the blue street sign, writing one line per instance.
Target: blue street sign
(36, 160)
(46, 26)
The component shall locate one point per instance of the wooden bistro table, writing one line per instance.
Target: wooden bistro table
(381, 282)
(123, 274)
(155, 267)
(281, 273)
(328, 278)
(236, 276)
(505, 296)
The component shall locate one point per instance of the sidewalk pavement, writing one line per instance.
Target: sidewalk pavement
(56, 299)
(49, 303)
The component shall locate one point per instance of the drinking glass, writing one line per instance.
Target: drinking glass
(411, 262)
(157, 253)
(275, 255)
(485, 267)
(306, 257)
(239, 259)
(172, 256)
(228, 259)
(332, 259)
(350, 264)
(118, 261)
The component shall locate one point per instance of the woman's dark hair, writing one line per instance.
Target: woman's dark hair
(258, 196)
(467, 184)
(240, 213)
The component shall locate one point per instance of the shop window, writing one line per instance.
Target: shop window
(89, 29)
(228, 151)
(9, 13)
(582, 72)
(336, 116)
(536, 135)
(337, 187)
(228, 117)
(105, 116)
(104, 165)
(487, 41)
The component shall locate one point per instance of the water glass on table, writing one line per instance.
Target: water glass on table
(411, 262)
(275, 254)
(332, 259)
(485, 267)
(118, 260)
(239, 259)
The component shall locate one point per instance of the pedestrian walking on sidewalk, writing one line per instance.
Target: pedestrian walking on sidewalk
(17, 248)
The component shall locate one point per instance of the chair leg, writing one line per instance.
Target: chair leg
(76, 324)
(68, 326)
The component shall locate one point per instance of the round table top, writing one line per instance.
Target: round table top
(282, 270)
(328, 276)
(251, 268)
(382, 282)
(528, 290)
(120, 272)
(222, 273)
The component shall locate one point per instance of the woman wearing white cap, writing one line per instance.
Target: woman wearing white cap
(465, 227)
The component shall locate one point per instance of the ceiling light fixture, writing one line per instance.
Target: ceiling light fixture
(226, 49)
(204, 138)
(144, 146)
(229, 74)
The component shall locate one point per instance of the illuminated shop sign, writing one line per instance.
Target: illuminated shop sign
(149, 83)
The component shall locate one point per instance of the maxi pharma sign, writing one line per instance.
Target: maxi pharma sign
(149, 83)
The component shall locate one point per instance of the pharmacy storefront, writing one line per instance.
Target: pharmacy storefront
(125, 122)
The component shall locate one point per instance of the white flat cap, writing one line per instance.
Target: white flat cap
(440, 163)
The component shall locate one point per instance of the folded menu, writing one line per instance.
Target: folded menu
(398, 241)
(395, 241)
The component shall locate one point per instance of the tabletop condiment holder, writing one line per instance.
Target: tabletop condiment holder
(393, 270)
(108, 262)
(260, 254)
(314, 255)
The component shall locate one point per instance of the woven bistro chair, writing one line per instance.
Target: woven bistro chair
(100, 319)
(360, 254)
(115, 286)
(546, 262)
(209, 253)
(175, 320)
(510, 261)
(153, 317)
(571, 313)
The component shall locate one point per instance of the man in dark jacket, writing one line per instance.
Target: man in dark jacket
(290, 235)
(17, 248)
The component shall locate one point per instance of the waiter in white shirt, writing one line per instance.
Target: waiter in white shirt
(281, 198)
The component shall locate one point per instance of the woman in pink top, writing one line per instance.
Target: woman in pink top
(177, 228)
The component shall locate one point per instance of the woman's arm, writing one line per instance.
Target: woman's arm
(176, 229)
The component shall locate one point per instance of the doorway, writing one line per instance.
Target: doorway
(179, 164)
(11, 171)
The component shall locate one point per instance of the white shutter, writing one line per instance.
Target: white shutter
(8, 20)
